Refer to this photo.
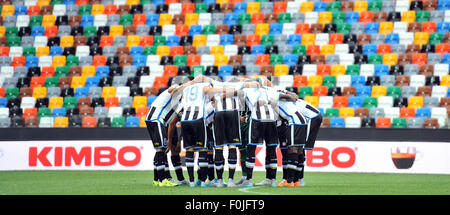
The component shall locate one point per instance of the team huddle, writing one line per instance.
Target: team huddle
(208, 116)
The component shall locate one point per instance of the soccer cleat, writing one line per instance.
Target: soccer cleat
(192, 184)
(203, 184)
(198, 182)
(156, 183)
(167, 183)
(265, 182)
(292, 184)
(247, 183)
(273, 183)
(219, 183)
(231, 183)
(302, 182)
(297, 184)
(241, 180)
(283, 183)
(183, 182)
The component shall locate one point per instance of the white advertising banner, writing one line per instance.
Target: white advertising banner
(327, 156)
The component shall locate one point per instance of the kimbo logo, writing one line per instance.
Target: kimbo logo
(87, 156)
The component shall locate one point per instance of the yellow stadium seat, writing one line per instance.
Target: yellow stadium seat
(88, 71)
(132, 40)
(308, 39)
(42, 51)
(133, 2)
(346, 112)
(361, 6)
(78, 81)
(253, 7)
(327, 49)
(55, 102)
(409, 16)
(191, 19)
(2, 31)
(386, 27)
(220, 60)
(98, 9)
(445, 80)
(163, 50)
(43, 2)
(165, 19)
(315, 80)
(262, 29)
(108, 92)
(306, 7)
(281, 69)
(59, 61)
(378, 91)
(139, 101)
(390, 58)
(199, 40)
(325, 17)
(221, 2)
(142, 123)
(216, 50)
(61, 122)
(421, 38)
(314, 100)
(66, 41)
(40, 92)
(8, 10)
(48, 20)
(415, 102)
(116, 30)
(338, 69)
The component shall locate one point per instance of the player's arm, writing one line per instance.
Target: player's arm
(227, 91)
(170, 130)
(252, 84)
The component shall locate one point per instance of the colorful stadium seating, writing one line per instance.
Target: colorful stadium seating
(62, 62)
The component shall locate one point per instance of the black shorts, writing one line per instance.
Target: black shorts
(158, 134)
(282, 135)
(226, 127)
(296, 135)
(194, 134)
(261, 132)
(312, 131)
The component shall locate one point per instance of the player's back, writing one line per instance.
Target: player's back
(290, 112)
(261, 102)
(194, 102)
(162, 108)
(230, 103)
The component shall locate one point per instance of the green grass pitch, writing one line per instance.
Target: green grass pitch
(140, 183)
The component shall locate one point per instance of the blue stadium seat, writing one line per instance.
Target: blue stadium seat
(275, 28)
(337, 122)
(294, 39)
(21, 10)
(136, 50)
(231, 19)
(423, 112)
(102, 71)
(139, 60)
(173, 40)
(446, 58)
(392, 38)
(443, 27)
(370, 49)
(158, 2)
(3, 101)
(195, 29)
(352, 17)
(381, 69)
(37, 31)
(132, 122)
(226, 39)
(81, 92)
(56, 51)
(358, 80)
(371, 28)
(443, 5)
(69, 2)
(87, 20)
(240, 7)
(225, 70)
(32, 61)
(59, 112)
(320, 6)
(290, 59)
(152, 19)
(258, 49)
(150, 100)
(92, 81)
(355, 101)
(363, 90)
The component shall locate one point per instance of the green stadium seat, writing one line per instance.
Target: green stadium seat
(399, 123)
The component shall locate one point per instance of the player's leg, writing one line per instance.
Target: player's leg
(234, 139)
(200, 144)
(300, 168)
(292, 165)
(219, 137)
(157, 137)
(271, 139)
(210, 146)
(255, 137)
(281, 129)
(189, 143)
(244, 127)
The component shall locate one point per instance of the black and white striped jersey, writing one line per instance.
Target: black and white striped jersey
(307, 109)
(194, 102)
(163, 108)
(290, 112)
(226, 104)
(262, 102)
